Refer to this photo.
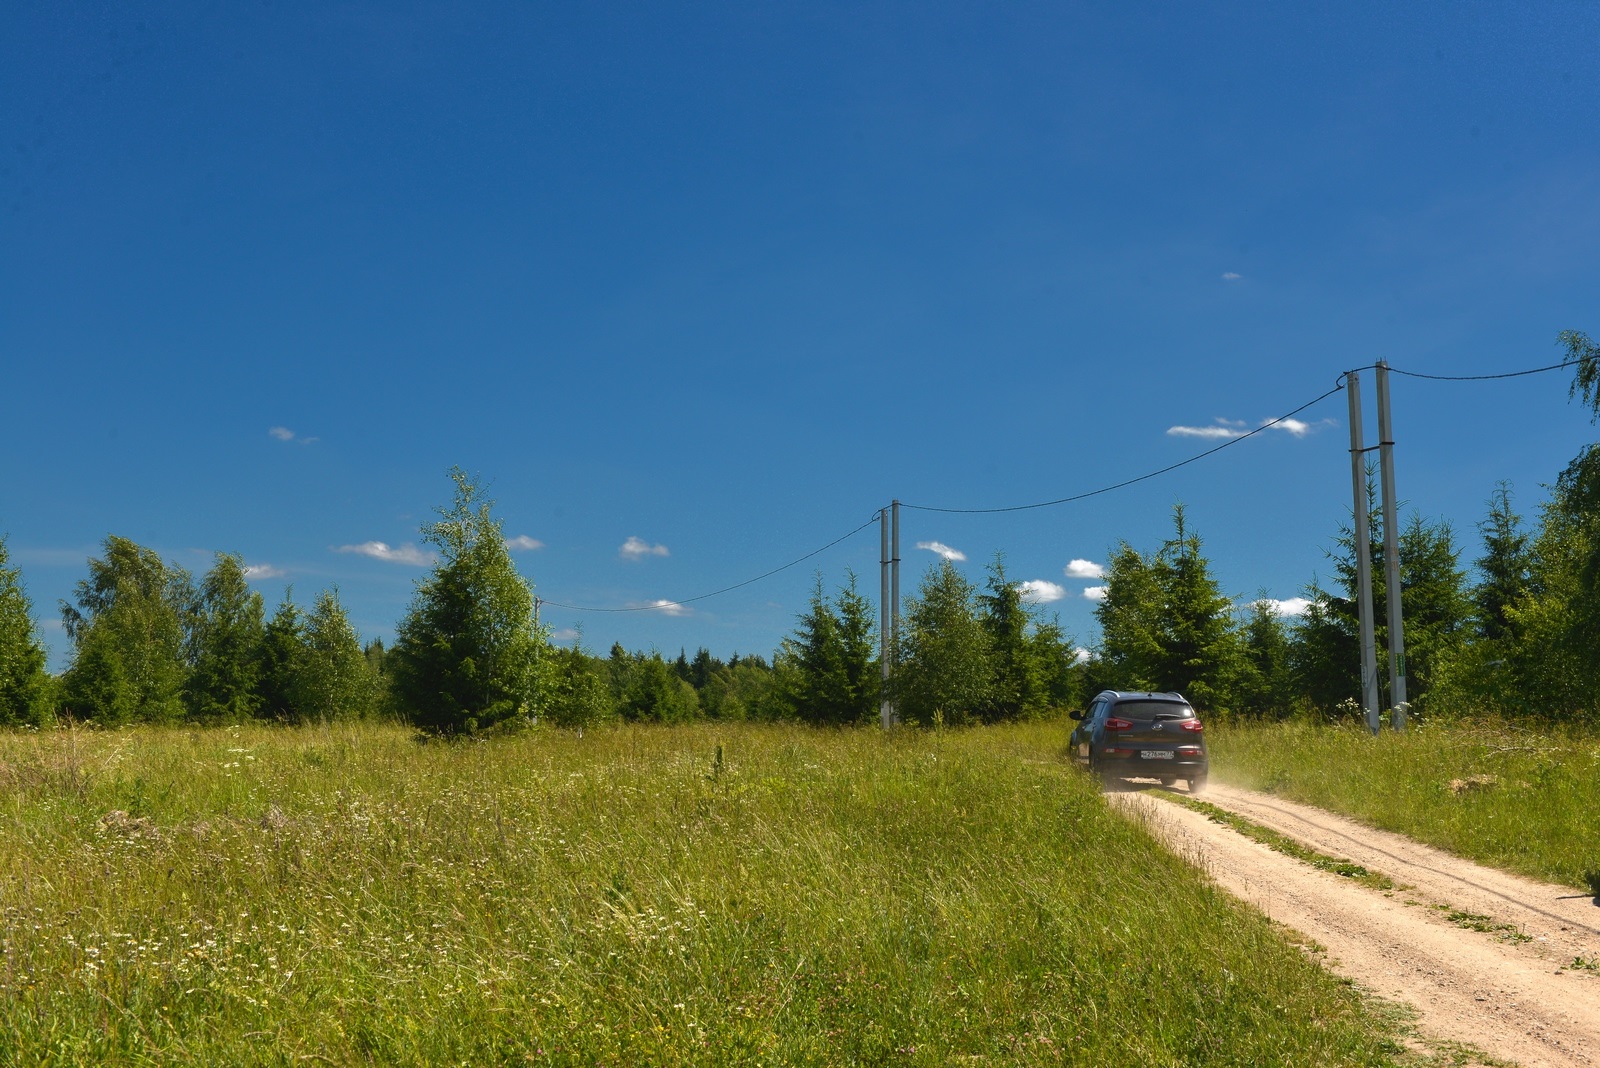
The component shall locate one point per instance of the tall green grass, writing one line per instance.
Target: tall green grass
(1519, 798)
(698, 895)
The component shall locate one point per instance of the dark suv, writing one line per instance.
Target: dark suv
(1141, 735)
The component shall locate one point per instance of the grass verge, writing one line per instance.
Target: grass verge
(1511, 797)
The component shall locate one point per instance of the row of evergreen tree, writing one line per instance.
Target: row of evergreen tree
(152, 645)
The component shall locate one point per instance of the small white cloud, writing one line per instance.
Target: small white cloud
(566, 634)
(1041, 592)
(52, 623)
(666, 608)
(1298, 428)
(523, 543)
(1083, 569)
(398, 554)
(637, 549)
(1231, 276)
(1293, 607)
(942, 549)
(1224, 428)
(1080, 655)
(1094, 593)
(283, 433)
(263, 571)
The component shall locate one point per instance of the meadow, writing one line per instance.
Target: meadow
(1513, 796)
(707, 894)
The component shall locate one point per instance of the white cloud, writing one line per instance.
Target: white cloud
(566, 634)
(282, 433)
(1294, 606)
(263, 571)
(637, 549)
(942, 549)
(1225, 428)
(1080, 655)
(1041, 592)
(523, 543)
(1301, 429)
(666, 608)
(1231, 276)
(1238, 428)
(1083, 569)
(399, 554)
(1094, 593)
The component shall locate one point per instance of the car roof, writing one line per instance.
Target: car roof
(1141, 695)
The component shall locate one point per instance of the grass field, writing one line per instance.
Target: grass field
(1517, 798)
(694, 895)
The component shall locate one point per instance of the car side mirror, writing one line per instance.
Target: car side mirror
(1078, 713)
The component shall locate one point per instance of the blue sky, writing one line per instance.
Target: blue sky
(698, 288)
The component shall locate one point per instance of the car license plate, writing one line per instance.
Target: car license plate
(1156, 754)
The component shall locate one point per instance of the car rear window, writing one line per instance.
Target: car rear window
(1153, 710)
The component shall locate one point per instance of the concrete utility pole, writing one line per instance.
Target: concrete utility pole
(885, 709)
(1363, 539)
(894, 597)
(1398, 706)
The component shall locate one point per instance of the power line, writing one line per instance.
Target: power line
(1339, 385)
(1141, 478)
(1482, 378)
(725, 589)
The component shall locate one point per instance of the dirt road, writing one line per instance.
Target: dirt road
(1504, 964)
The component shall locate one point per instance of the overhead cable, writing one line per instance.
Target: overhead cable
(1141, 478)
(1339, 385)
(1483, 378)
(663, 605)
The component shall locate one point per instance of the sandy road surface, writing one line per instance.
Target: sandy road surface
(1515, 1000)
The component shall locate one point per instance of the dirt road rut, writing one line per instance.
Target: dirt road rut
(1524, 988)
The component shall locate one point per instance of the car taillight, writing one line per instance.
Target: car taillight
(1192, 725)
(1119, 724)
(1189, 750)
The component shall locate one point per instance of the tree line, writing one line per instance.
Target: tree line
(151, 644)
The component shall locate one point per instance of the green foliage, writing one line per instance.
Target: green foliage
(577, 695)
(25, 686)
(1586, 376)
(226, 639)
(1165, 624)
(1505, 568)
(281, 661)
(1264, 684)
(651, 691)
(945, 673)
(836, 675)
(1019, 687)
(467, 653)
(333, 681)
(129, 629)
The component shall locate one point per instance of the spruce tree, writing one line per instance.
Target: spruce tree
(24, 682)
(1018, 685)
(225, 681)
(334, 681)
(945, 673)
(281, 661)
(467, 656)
